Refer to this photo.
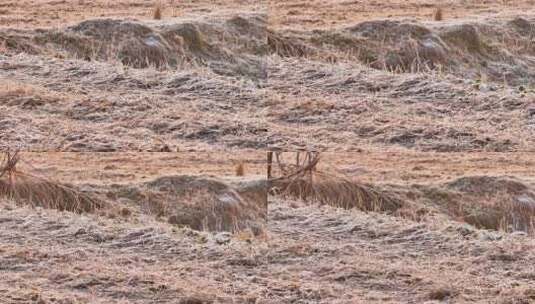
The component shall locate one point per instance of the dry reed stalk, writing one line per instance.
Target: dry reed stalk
(303, 166)
(9, 163)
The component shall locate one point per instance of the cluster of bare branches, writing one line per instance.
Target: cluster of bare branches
(300, 179)
(305, 163)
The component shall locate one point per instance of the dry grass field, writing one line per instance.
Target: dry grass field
(436, 228)
(107, 76)
(369, 75)
(143, 128)
(164, 227)
(398, 227)
(317, 14)
(385, 75)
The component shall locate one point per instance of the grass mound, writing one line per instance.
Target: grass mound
(204, 204)
(487, 202)
(490, 50)
(31, 190)
(495, 203)
(132, 43)
(287, 47)
(228, 45)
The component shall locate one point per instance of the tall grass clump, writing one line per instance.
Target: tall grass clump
(303, 181)
(27, 189)
(157, 12)
(438, 14)
(240, 169)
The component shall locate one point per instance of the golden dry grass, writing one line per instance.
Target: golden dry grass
(157, 12)
(326, 189)
(240, 169)
(303, 181)
(32, 190)
(505, 215)
(487, 202)
(318, 14)
(438, 14)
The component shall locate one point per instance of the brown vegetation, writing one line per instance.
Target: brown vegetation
(240, 169)
(303, 181)
(28, 189)
(438, 14)
(390, 87)
(487, 202)
(157, 13)
(310, 248)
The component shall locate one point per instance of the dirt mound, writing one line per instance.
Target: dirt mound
(383, 44)
(231, 46)
(405, 46)
(497, 203)
(252, 190)
(201, 203)
(132, 43)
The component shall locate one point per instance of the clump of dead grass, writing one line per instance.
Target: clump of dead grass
(28, 189)
(287, 47)
(26, 96)
(439, 294)
(240, 169)
(500, 212)
(157, 12)
(203, 204)
(303, 181)
(438, 14)
(485, 202)
(496, 203)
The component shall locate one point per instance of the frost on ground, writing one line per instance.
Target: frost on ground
(130, 85)
(460, 229)
(454, 86)
(154, 238)
(130, 251)
(312, 254)
(321, 254)
(233, 80)
(54, 257)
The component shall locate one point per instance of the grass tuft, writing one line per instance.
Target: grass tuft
(240, 169)
(27, 189)
(157, 13)
(303, 181)
(438, 14)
